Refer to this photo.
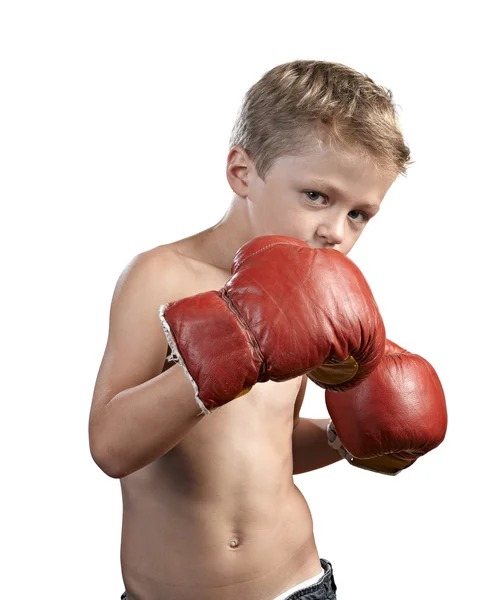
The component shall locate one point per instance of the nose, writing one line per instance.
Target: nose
(332, 231)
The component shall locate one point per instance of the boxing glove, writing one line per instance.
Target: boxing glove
(393, 417)
(287, 309)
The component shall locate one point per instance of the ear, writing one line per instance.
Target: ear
(239, 170)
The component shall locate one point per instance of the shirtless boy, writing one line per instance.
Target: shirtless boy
(206, 459)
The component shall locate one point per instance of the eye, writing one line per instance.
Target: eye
(358, 216)
(315, 197)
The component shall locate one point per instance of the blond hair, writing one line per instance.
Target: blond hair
(292, 101)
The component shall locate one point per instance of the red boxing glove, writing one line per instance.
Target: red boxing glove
(392, 418)
(288, 309)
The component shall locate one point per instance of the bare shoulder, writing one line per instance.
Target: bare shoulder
(151, 278)
(136, 348)
(156, 271)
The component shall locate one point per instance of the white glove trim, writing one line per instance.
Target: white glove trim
(336, 443)
(177, 358)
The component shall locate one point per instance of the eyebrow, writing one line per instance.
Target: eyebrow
(330, 187)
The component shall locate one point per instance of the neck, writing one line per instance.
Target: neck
(230, 233)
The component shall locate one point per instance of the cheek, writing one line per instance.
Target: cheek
(281, 220)
(350, 240)
(277, 207)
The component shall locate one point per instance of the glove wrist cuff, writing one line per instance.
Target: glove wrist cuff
(176, 357)
(213, 346)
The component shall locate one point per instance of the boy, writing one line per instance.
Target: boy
(211, 511)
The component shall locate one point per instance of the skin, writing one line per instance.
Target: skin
(218, 516)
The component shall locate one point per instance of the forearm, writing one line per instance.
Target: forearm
(142, 423)
(310, 448)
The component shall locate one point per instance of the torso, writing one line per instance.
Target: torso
(219, 517)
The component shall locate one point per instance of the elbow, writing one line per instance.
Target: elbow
(105, 466)
(103, 457)
(102, 449)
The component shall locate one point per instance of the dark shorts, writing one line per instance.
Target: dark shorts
(323, 590)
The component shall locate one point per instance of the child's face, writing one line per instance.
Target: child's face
(324, 197)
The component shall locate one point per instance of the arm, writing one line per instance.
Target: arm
(310, 447)
(139, 413)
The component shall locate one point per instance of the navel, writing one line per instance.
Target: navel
(234, 542)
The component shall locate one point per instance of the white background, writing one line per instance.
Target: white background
(115, 119)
